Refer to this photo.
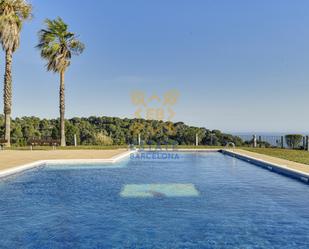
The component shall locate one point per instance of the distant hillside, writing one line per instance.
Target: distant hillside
(114, 131)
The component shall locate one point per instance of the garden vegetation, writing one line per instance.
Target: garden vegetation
(113, 131)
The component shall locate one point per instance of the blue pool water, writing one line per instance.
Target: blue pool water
(200, 200)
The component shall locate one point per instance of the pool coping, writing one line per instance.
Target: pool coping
(24, 167)
(271, 166)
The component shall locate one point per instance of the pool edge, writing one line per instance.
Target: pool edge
(277, 168)
(24, 167)
(273, 167)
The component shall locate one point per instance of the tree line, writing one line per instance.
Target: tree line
(114, 131)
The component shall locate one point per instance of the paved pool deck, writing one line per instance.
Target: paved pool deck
(13, 158)
(282, 162)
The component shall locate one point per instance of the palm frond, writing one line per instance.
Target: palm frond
(12, 15)
(57, 45)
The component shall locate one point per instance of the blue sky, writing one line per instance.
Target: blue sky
(238, 65)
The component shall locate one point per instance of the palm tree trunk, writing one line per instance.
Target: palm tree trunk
(7, 96)
(62, 109)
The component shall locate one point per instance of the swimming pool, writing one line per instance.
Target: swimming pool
(198, 200)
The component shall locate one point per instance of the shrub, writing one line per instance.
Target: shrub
(293, 140)
(102, 139)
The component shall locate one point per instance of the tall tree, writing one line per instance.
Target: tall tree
(57, 46)
(12, 15)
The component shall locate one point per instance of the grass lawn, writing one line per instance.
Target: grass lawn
(109, 147)
(82, 147)
(299, 156)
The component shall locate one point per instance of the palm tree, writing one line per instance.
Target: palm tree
(57, 46)
(12, 15)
